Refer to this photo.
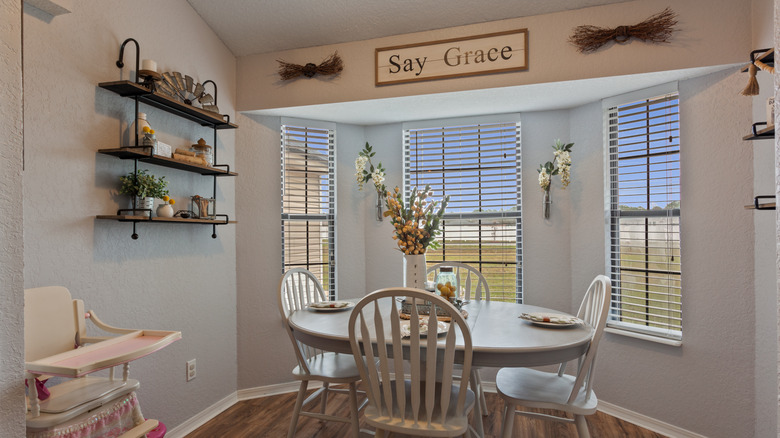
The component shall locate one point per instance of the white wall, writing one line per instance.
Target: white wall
(765, 254)
(265, 355)
(706, 385)
(11, 238)
(172, 277)
(718, 167)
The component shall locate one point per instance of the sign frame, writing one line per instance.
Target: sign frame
(413, 63)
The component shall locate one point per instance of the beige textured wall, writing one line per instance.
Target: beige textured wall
(174, 276)
(12, 255)
(708, 36)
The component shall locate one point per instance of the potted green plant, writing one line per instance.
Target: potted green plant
(143, 187)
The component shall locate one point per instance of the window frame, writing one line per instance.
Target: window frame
(613, 215)
(329, 217)
(467, 122)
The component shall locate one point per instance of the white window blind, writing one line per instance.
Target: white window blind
(308, 202)
(644, 211)
(478, 167)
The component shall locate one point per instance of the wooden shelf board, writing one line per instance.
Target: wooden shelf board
(131, 218)
(761, 134)
(159, 100)
(763, 205)
(140, 155)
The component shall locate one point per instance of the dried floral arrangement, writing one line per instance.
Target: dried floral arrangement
(330, 66)
(656, 29)
(416, 222)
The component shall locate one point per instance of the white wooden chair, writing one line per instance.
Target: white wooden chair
(473, 286)
(569, 393)
(55, 342)
(429, 403)
(299, 288)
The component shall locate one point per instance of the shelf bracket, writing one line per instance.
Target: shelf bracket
(758, 204)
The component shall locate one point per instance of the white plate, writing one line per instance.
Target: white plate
(325, 306)
(550, 319)
(406, 330)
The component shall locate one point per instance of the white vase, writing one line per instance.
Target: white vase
(165, 210)
(146, 203)
(414, 271)
(138, 126)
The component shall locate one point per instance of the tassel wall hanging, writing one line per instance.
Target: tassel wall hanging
(752, 87)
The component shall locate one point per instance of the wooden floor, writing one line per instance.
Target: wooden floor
(270, 417)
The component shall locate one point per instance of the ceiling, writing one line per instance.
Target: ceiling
(252, 26)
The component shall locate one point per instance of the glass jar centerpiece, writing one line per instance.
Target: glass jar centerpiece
(447, 283)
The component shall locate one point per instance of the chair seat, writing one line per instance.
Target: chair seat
(537, 389)
(329, 367)
(75, 397)
(455, 423)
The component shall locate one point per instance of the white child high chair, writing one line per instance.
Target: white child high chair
(55, 339)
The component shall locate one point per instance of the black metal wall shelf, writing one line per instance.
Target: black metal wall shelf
(761, 134)
(158, 100)
(759, 205)
(177, 220)
(767, 56)
(143, 93)
(143, 154)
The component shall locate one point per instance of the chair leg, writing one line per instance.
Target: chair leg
(353, 410)
(478, 412)
(297, 408)
(509, 421)
(324, 398)
(481, 394)
(582, 426)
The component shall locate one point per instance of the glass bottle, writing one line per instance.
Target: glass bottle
(447, 283)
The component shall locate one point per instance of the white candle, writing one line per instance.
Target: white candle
(148, 64)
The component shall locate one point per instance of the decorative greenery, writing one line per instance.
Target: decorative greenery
(371, 173)
(143, 185)
(417, 221)
(561, 164)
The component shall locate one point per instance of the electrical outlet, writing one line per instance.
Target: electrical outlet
(191, 370)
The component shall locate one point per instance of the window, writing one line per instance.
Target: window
(478, 166)
(308, 202)
(643, 141)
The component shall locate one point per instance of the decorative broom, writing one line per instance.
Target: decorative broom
(330, 66)
(656, 29)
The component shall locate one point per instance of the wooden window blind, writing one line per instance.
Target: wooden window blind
(478, 167)
(644, 216)
(308, 202)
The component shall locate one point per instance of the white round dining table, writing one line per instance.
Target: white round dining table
(499, 337)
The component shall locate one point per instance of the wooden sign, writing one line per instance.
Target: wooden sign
(475, 55)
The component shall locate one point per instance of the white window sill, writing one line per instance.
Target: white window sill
(651, 338)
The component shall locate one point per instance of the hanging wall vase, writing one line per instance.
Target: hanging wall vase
(379, 201)
(547, 203)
